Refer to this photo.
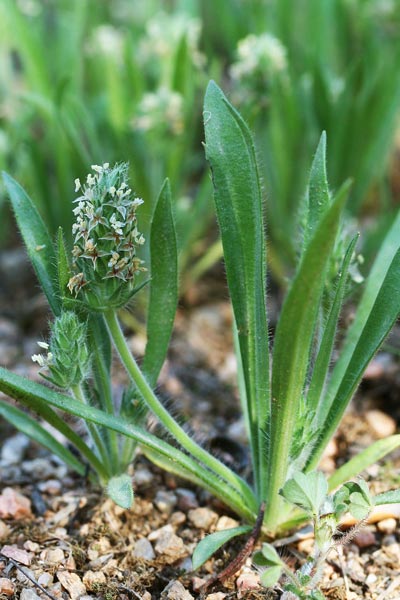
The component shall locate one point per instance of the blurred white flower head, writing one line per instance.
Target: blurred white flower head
(263, 53)
(160, 110)
(164, 33)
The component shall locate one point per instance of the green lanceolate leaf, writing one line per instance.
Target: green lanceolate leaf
(293, 338)
(322, 362)
(238, 201)
(363, 460)
(36, 432)
(41, 407)
(64, 271)
(383, 315)
(163, 285)
(391, 497)
(213, 542)
(37, 240)
(29, 393)
(119, 489)
(373, 284)
(318, 190)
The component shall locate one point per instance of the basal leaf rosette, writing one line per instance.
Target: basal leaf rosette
(105, 239)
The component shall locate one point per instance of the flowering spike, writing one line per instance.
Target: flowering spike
(105, 239)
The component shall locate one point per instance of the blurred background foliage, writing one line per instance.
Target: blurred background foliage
(90, 81)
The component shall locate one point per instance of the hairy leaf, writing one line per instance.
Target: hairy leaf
(211, 543)
(37, 240)
(238, 200)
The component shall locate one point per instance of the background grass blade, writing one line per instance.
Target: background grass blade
(37, 240)
(163, 285)
(238, 201)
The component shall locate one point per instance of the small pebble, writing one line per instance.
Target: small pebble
(177, 518)
(6, 587)
(306, 546)
(20, 556)
(203, 518)
(91, 579)
(52, 556)
(371, 578)
(165, 501)
(365, 538)
(248, 580)
(41, 468)
(31, 546)
(51, 486)
(13, 449)
(226, 523)
(4, 531)
(72, 583)
(14, 505)
(143, 549)
(28, 594)
(387, 525)
(186, 499)
(170, 545)
(45, 579)
(175, 591)
(380, 423)
(143, 477)
(23, 576)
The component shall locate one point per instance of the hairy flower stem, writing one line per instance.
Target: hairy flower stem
(94, 433)
(167, 420)
(109, 408)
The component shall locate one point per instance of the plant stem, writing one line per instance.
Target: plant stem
(94, 433)
(106, 394)
(166, 419)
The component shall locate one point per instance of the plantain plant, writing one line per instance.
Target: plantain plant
(291, 398)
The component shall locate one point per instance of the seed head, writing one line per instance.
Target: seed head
(67, 359)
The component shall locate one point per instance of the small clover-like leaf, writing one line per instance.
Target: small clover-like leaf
(271, 576)
(307, 491)
(267, 557)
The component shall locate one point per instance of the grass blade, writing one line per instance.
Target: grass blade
(237, 194)
(37, 240)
